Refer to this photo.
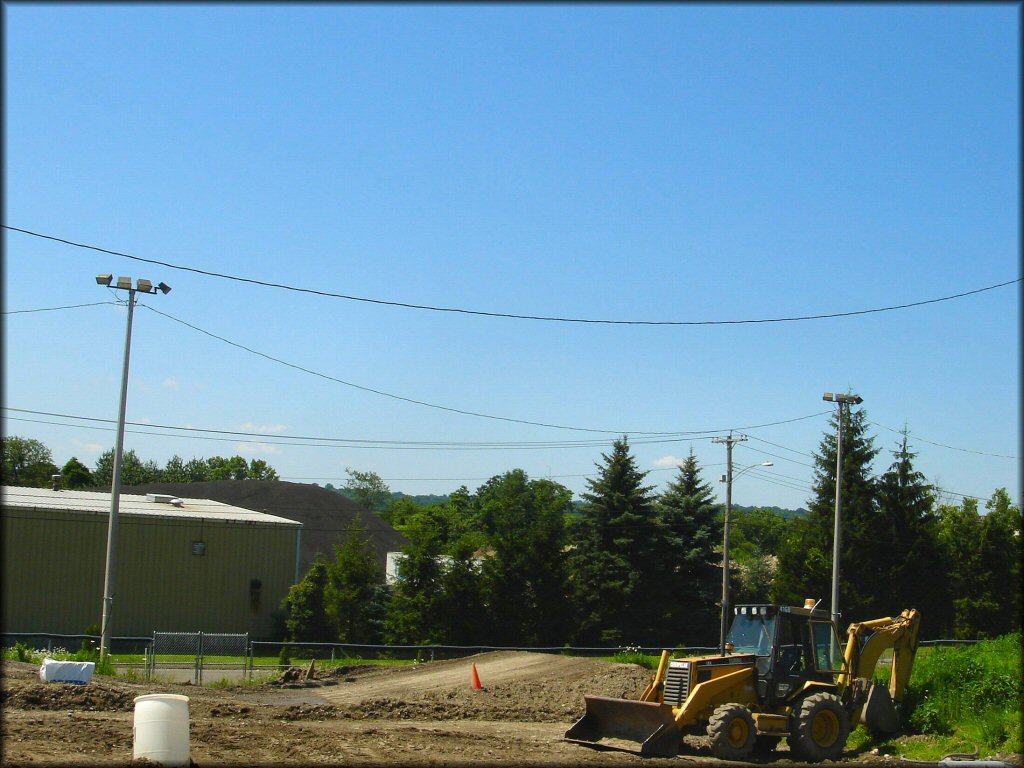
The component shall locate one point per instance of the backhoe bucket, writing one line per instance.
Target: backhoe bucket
(879, 714)
(648, 722)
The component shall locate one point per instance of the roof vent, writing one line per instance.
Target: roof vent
(55, 479)
(159, 498)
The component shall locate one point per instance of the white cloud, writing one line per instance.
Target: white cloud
(669, 461)
(264, 429)
(94, 449)
(256, 449)
(170, 383)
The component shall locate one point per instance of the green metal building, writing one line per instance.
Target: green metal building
(183, 565)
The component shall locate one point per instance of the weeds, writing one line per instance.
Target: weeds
(631, 655)
(25, 653)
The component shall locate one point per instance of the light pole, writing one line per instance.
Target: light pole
(839, 400)
(141, 286)
(727, 478)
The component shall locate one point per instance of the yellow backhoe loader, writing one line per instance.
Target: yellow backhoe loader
(783, 675)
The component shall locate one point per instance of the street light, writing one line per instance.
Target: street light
(840, 401)
(142, 286)
(727, 478)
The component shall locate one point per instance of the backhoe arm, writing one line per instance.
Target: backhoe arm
(898, 633)
(866, 643)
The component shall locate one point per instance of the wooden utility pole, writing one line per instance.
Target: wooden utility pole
(729, 441)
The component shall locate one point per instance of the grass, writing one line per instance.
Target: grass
(969, 695)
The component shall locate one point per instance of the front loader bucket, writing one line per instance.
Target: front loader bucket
(650, 723)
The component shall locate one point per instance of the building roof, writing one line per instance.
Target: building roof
(133, 505)
(324, 514)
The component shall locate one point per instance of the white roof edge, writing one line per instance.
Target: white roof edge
(135, 505)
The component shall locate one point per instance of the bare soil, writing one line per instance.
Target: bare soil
(423, 715)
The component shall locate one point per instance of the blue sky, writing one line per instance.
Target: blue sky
(663, 162)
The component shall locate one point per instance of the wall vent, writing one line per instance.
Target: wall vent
(159, 498)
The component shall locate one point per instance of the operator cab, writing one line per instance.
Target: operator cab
(792, 646)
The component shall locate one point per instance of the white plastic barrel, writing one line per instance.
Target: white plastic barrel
(160, 730)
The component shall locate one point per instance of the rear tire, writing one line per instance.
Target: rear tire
(820, 728)
(731, 730)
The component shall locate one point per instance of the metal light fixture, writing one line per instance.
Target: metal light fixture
(838, 398)
(143, 286)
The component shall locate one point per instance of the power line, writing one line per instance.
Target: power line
(943, 445)
(55, 309)
(324, 441)
(507, 315)
(458, 410)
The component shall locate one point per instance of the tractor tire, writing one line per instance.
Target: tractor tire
(819, 728)
(732, 730)
(765, 744)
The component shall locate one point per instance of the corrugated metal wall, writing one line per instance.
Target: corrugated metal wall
(53, 566)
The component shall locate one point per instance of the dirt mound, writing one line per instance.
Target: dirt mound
(324, 514)
(64, 696)
(535, 687)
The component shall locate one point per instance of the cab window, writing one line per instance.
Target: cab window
(827, 654)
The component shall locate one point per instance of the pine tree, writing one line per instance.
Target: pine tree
(906, 505)
(968, 572)
(351, 587)
(805, 559)
(614, 563)
(305, 612)
(692, 569)
(414, 614)
(76, 474)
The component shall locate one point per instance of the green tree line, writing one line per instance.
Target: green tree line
(29, 462)
(519, 562)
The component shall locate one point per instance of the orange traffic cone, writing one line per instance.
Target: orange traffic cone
(476, 680)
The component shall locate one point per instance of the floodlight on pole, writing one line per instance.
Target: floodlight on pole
(142, 286)
(840, 400)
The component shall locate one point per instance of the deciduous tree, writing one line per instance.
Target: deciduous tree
(524, 570)
(26, 462)
(370, 490)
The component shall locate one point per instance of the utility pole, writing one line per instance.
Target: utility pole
(729, 441)
(840, 401)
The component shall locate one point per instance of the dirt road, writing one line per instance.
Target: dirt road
(427, 715)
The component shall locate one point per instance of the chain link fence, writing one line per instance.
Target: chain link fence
(185, 655)
(197, 651)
